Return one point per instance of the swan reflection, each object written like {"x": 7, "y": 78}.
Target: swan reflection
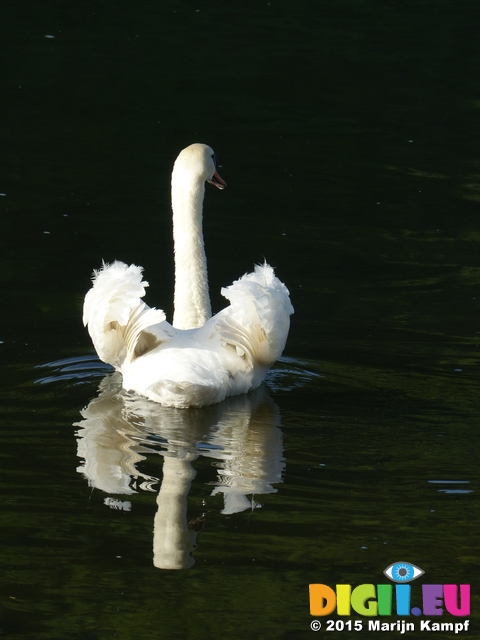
{"x": 241, "y": 435}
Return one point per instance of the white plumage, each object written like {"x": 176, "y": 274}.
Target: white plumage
{"x": 201, "y": 359}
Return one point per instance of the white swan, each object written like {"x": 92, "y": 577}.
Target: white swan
{"x": 201, "y": 359}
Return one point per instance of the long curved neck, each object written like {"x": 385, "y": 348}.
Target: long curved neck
{"x": 192, "y": 301}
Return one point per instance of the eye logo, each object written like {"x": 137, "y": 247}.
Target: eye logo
{"x": 377, "y": 600}
{"x": 403, "y": 572}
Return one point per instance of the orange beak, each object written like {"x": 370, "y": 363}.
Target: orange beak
{"x": 217, "y": 181}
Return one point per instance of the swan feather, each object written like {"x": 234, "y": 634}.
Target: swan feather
{"x": 120, "y": 324}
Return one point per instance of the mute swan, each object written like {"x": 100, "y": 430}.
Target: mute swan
{"x": 201, "y": 359}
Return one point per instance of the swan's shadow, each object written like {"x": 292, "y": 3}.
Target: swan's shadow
{"x": 241, "y": 434}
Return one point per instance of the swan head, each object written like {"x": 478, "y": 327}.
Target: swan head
{"x": 199, "y": 162}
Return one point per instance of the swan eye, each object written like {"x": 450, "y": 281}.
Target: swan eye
{"x": 403, "y": 572}
{"x": 214, "y": 158}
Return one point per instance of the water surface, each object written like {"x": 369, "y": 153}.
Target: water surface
{"x": 347, "y": 135}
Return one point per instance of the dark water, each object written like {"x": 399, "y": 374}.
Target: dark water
{"x": 348, "y": 134}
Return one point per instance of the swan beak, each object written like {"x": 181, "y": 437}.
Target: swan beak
{"x": 217, "y": 181}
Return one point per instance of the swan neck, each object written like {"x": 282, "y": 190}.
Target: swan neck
{"x": 192, "y": 300}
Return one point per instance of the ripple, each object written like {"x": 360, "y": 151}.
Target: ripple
{"x": 449, "y": 483}
{"x": 78, "y": 369}
{"x": 287, "y": 374}
{"x": 290, "y": 373}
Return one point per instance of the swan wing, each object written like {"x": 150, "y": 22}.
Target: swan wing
{"x": 257, "y": 321}
{"x": 121, "y": 325}
{"x": 230, "y": 354}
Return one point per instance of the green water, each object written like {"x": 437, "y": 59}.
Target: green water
{"x": 348, "y": 135}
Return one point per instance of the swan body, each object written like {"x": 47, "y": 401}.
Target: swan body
{"x": 199, "y": 359}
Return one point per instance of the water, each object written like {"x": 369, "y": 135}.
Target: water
{"x": 347, "y": 133}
